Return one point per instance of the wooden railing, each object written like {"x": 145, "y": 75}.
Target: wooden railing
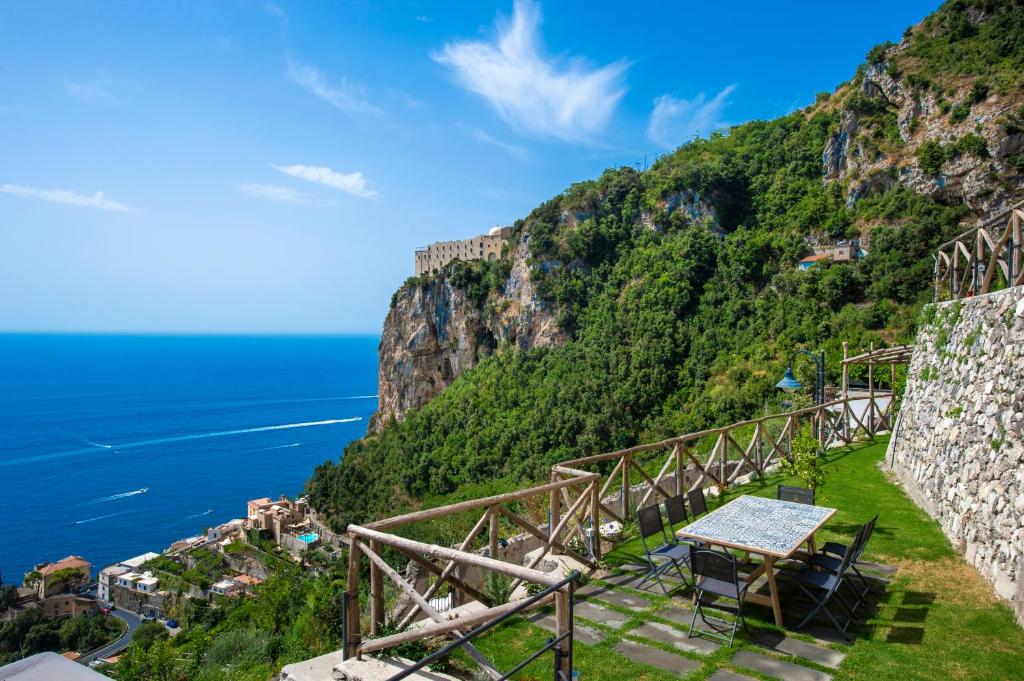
{"x": 982, "y": 259}
{"x": 576, "y": 501}
{"x": 567, "y": 517}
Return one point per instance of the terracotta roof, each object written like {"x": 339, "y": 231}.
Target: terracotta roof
{"x": 815, "y": 258}
{"x": 72, "y": 655}
{"x": 65, "y": 563}
{"x": 261, "y": 502}
{"x": 247, "y": 579}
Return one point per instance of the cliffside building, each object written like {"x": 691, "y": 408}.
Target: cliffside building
{"x": 432, "y": 259}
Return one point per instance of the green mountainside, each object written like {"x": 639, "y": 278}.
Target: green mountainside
{"x": 677, "y": 289}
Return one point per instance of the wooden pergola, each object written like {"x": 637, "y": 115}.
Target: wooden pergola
{"x": 892, "y": 357}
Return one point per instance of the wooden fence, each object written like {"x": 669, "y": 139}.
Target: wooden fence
{"x": 577, "y": 500}
{"x": 982, "y": 259}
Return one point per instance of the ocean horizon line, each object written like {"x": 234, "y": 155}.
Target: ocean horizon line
{"x": 192, "y": 334}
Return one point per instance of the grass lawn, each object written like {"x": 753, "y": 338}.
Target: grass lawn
{"x": 937, "y": 620}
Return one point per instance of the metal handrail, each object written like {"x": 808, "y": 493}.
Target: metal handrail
{"x": 552, "y": 644}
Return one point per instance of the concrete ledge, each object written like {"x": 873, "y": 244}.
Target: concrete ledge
{"x": 330, "y": 667}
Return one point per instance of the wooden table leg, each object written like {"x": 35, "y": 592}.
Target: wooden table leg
{"x": 769, "y": 569}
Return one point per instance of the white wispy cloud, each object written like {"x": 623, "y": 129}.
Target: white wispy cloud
{"x": 564, "y": 98}
{"x": 353, "y": 183}
{"x": 513, "y": 150}
{"x": 676, "y": 121}
{"x": 272, "y": 192}
{"x": 68, "y": 196}
{"x": 274, "y": 10}
{"x": 344, "y": 96}
{"x": 95, "y": 91}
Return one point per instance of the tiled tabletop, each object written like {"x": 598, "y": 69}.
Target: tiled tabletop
{"x": 760, "y": 525}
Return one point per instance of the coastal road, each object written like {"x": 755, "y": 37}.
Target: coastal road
{"x": 132, "y": 620}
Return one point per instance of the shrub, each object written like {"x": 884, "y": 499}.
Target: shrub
{"x": 803, "y": 464}
{"x": 930, "y": 156}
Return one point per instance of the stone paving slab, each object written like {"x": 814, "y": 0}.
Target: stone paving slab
{"x": 677, "y": 614}
{"x": 724, "y": 675}
{"x": 669, "y": 635}
{"x": 826, "y": 657}
{"x": 599, "y": 614}
{"x": 633, "y": 581}
{"x": 581, "y": 632}
{"x": 622, "y": 600}
{"x": 655, "y": 657}
{"x": 777, "y": 668}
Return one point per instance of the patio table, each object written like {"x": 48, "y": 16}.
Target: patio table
{"x": 766, "y": 527}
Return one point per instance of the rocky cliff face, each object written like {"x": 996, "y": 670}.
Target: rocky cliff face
{"x": 435, "y": 331}
{"x": 984, "y": 179}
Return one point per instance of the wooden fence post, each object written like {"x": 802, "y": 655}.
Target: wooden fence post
{"x": 376, "y": 594}
{"x": 354, "y": 636}
{"x": 626, "y": 470}
{"x": 677, "y": 451}
{"x": 595, "y": 520}
{"x": 492, "y": 532}
{"x": 554, "y": 512}
{"x": 563, "y": 625}
{"x": 871, "y": 394}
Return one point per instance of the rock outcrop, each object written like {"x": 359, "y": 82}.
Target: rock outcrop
{"x": 435, "y": 331}
{"x": 983, "y": 181}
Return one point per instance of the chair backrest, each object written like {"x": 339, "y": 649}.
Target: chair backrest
{"x": 675, "y": 510}
{"x": 798, "y": 495}
{"x": 869, "y": 528}
{"x": 649, "y": 519}
{"x": 698, "y": 503}
{"x": 714, "y": 564}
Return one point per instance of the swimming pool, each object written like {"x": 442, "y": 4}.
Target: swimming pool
{"x": 308, "y": 538}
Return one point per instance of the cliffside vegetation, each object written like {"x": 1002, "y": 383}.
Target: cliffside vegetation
{"x": 679, "y": 286}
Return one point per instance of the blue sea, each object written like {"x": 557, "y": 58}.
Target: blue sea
{"x": 111, "y": 446}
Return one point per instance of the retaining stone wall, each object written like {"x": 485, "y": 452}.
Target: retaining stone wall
{"x": 959, "y": 445}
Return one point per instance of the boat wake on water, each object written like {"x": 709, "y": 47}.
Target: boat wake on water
{"x": 122, "y": 495}
{"x": 99, "y": 517}
{"x": 179, "y": 438}
{"x": 294, "y": 444}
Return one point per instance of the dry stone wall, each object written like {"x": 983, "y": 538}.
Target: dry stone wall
{"x": 959, "y": 446}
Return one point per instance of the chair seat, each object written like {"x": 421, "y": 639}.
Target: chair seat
{"x": 822, "y": 580}
{"x": 835, "y": 548}
{"x": 830, "y": 563}
{"x": 673, "y": 551}
{"x": 720, "y": 587}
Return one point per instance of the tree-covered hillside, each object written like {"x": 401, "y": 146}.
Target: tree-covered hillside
{"x": 678, "y": 287}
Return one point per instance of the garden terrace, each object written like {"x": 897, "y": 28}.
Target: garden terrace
{"x": 576, "y": 503}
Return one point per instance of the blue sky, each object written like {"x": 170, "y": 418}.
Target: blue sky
{"x": 255, "y": 166}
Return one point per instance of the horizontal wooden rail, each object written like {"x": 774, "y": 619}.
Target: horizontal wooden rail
{"x": 463, "y": 557}
{"x": 473, "y": 504}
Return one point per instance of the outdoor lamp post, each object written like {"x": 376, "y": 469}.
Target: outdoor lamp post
{"x": 789, "y": 382}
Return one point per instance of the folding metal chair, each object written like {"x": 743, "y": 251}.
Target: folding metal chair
{"x": 716, "y": 573}
{"x": 798, "y": 495}
{"x": 675, "y": 513}
{"x": 822, "y": 588}
{"x": 698, "y": 502}
{"x": 666, "y": 555}
{"x": 833, "y": 552}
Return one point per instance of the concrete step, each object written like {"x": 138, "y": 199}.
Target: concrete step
{"x": 599, "y": 614}
{"x": 581, "y": 632}
{"x": 776, "y": 668}
{"x": 669, "y": 635}
{"x": 619, "y": 598}
{"x": 826, "y": 657}
{"x": 655, "y": 657}
{"x": 723, "y": 675}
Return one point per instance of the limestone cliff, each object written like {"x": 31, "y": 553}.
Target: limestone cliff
{"x": 888, "y": 113}
{"x": 955, "y": 135}
{"x": 435, "y": 330}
